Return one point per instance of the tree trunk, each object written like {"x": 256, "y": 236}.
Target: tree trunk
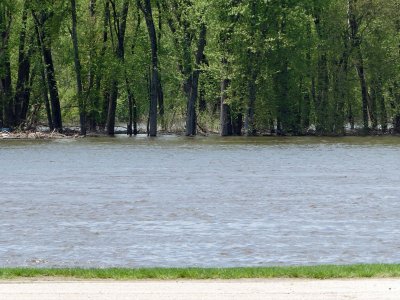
{"x": 161, "y": 107}
{"x": 395, "y": 103}
{"x": 148, "y": 14}
{"x": 341, "y": 90}
{"x": 191, "y": 120}
{"x": 379, "y": 98}
{"x": 45, "y": 95}
{"x": 5, "y": 69}
{"x": 131, "y": 105}
{"x": 22, "y": 92}
{"x": 103, "y": 106}
{"x": 78, "y": 72}
{"x": 120, "y": 25}
{"x": 50, "y": 73}
{"x": 226, "y": 122}
{"x": 43, "y": 83}
{"x": 250, "y": 128}
{"x": 93, "y": 94}
{"x": 364, "y": 89}
{"x": 359, "y": 61}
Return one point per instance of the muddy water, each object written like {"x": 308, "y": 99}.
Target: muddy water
{"x": 174, "y": 201}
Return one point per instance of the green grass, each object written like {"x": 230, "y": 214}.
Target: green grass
{"x": 312, "y": 272}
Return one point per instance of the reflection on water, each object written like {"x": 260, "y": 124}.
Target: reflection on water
{"x": 176, "y": 201}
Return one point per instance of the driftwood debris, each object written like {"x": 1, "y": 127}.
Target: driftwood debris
{"x": 35, "y": 135}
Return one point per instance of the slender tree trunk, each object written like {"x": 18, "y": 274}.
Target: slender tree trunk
{"x": 341, "y": 90}
{"x": 191, "y": 118}
{"x": 364, "y": 89}
{"x": 359, "y": 60}
{"x": 250, "y": 128}
{"x": 131, "y": 104}
{"x": 78, "y": 72}
{"x": 323, "y": 124}
{"x": 379, "y": 98}
{"x": 22, "y": 92}
{"x": 148, "y": 14}
{"x": 53, "y": 89}
{"x": 120, "y": 25}
{"x": 161, "y": 107}
{"x": 45, "y": 42}
{"x": 45, "y": 95}
{"x": 395, "y": 103}
{"x": 92, "y": 96}
{"x": 5, "y": 68}
{"x": 308, "y": 96}
{"x": 43, "y": 83}
{"x": 225, "y": 119}
{"x": 132, "y": 125}
{"x": 103, "y": 106}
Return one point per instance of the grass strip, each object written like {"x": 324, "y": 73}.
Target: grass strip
{"x": 307, "y": 272}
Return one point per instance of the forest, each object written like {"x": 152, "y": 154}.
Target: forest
{"x": 236, "y": 67}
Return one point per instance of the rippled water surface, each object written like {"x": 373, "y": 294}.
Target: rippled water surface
{"x": 174, "y": 201}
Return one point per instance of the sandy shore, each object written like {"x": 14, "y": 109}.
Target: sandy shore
{"x": 204, "y": 290}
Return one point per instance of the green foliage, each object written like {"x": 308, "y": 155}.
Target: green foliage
{"x": 296, "y": 53}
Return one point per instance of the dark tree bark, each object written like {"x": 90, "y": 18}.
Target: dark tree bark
{"x": 250, "y": 129}
{"x": 323, "y": 124}
{"x": 226, "y": 122}
{"x": 305, "y": 109}
{"x": 225, "y": 117}
{"x": 78, "y": 70}
{"x": 43, "y": 83}
{"x": 394, "y": 91}
{"x": 45, "y": 95}
{"x": 45, "y": 42}
{"x": 146, "y": 8}
{"x": 341, "y": 90}
{"x": 7, "y": 116}
{"x": 22, "y": 92}
{"x": 161, "y": 107}
{"x": 359, "y": 61}
{"x": 379, "y": 98}
{"x": 191, "y": 118}
{"x": 103, "y": 106}
{"x": 93, "y": 93}
{"x": 120, "y": 29}
{"x": 132, "y": 107}
{"x": 252, "y": 57}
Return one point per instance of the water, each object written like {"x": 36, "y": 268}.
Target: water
{"x": 209, "y": 202}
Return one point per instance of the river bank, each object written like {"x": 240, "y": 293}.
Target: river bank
{"x": 74, "y": 133}
{"x": 37, "y": 135}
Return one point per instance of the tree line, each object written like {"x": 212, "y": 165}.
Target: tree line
{"x": 236, "y": 66}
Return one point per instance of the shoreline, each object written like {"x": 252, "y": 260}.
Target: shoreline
{"x": 322, "y": 272}
{"x": 70, "y": 134}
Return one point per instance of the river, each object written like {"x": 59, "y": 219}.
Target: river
{"x": 206, "y": 202}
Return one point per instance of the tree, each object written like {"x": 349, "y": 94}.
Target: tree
{"x": 78, "y": 71}
{"x": 5, "y": 65}
{"x": 42, "y": 17}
